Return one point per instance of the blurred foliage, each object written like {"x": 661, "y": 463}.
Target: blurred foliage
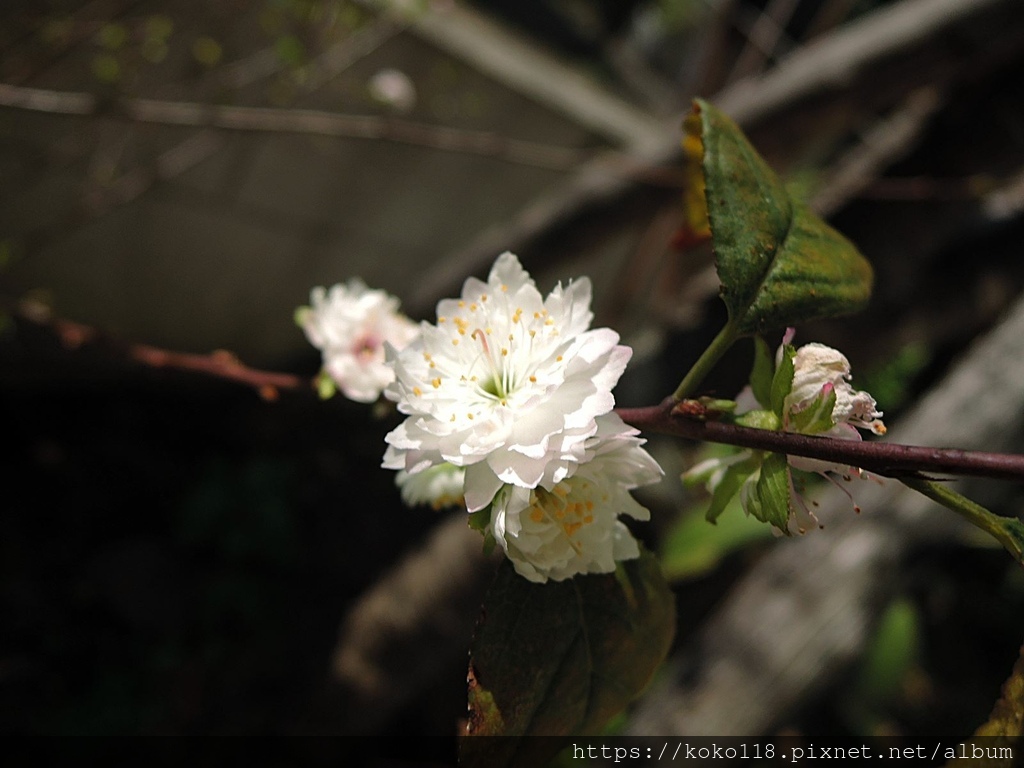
{"x": 692, "y": 548}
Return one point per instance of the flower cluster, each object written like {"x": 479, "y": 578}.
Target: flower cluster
{"x": 515, "y": 389}
{"x": 350, "y": 324}
{"x": 811, "y": 394}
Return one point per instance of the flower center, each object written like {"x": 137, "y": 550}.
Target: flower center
{"x": 499, "y": 383}
{"x": 366, "y": 346}
{"x": 565, "y": 509}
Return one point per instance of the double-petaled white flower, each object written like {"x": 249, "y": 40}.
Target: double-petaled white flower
{"x": 507, "y": 384}
{"x": 516, "y": 388}
{"x": 349, "y": 324}
{"x": 574, "y": 527}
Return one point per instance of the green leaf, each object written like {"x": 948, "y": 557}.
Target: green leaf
{"x": 782, "y": 382}
{"x": 733, "y": 479}
{"x": 778, "y": 262}
{"x": 762, "y": 373}
{"x": 692, "y": 548}
{"x": 770, "y": 500}
{"x": 561, "y": 658}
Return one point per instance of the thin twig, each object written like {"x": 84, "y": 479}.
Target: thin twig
{"x": 888, "y": 459}
{"x": 220, "y": 364}
{"x": 302, "y": 121}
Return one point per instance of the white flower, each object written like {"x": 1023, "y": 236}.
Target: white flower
{"x": 819, "y": 373}
{"x": 438, "y": 487}
{"x": 349, "y": 324}
{"x": 815, "y": 369}
{"x": 573, "y": 527}
{"x": 508, "y": 384}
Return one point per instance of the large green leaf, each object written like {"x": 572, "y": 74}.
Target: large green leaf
{"x": 778, "y": 262}
{"x": 559, "y": 659}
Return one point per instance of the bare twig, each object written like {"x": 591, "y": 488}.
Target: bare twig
{"x": 220, "y": 364}
{"x": 764, "y": 37}
{"x": 492, "y": 50}
{"x": 882, "y": 458}
{"x": 886, "y": 141}
{"x": 307, "y": 121}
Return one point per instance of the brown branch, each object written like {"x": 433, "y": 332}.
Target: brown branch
{"x": 888, "y": 459}
{"x": 220, "y": 363}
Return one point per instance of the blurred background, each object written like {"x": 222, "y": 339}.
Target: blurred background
{"x": 184, "y": 557}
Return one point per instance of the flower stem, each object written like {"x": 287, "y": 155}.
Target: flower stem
{"x": 1007, "y": 531}
{"x": 718, "y": 347}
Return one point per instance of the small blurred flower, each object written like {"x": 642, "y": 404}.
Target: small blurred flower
{"x": 350, "y": 324}
{"x": 394, "y": 89}
{"x": 438, "y": 487}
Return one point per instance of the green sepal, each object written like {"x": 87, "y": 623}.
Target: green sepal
{"x": 782, "y": 382}
{"x": 770, "y": 501}
{"x": 763, "y": 371}
{"x": 730, "y": 484}
{"x": 816, "y": 417}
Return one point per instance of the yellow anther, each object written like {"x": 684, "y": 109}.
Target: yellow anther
{"x": 442, "y": 319}
{"x": 504, "y": 352}
{"x": 417, "y": 391}
{"x": 462, "y": 304}
{"x": 533, "y": 379}
{"x": 558, "y": 359}
{"x": 436, "y": 382}
{"x": 504, "y": 288}
{"x": 462, "y": 330}
{"x": 470, "y": 415}
{"x": 537, "y": 515}
{"x": 455, "y": 342}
